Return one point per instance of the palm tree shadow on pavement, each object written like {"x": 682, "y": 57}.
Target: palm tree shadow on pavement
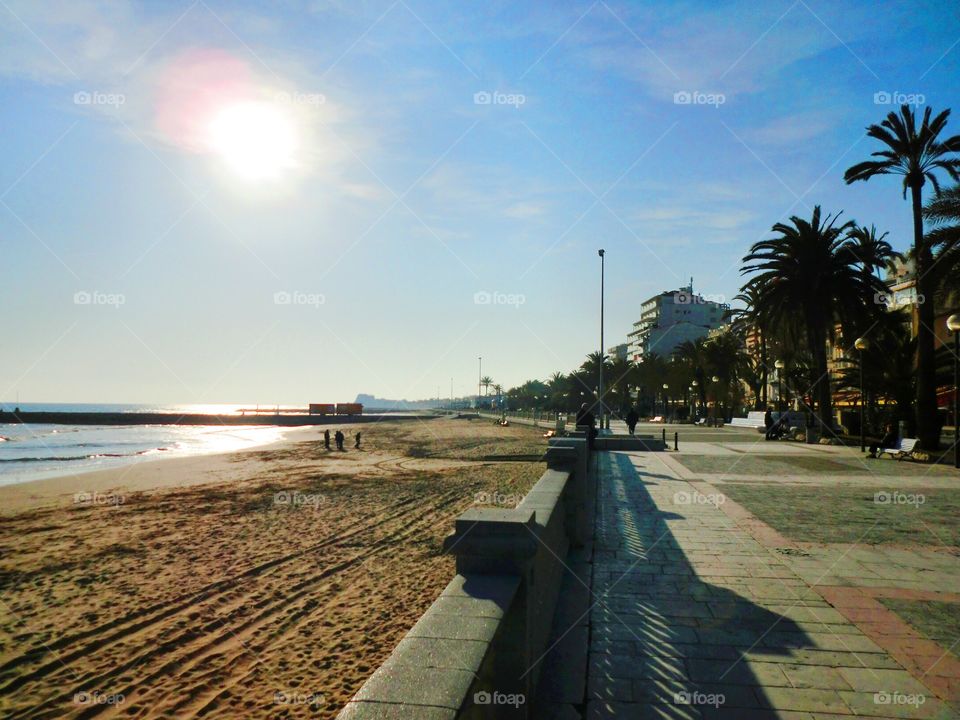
{"x": 662, "y": 636}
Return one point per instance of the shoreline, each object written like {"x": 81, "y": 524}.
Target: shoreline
{"x": 167, "y": 418}
{"x": 141, "y": 474}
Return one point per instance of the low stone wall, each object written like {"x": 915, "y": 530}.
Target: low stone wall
{"x": 474, "y": 653}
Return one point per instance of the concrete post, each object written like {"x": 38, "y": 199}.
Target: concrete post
{"x": 579, "y": 464}
{"x": 492, "y": 541}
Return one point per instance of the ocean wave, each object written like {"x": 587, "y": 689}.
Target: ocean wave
{"x": 51, "y": 458}
{"x": 74, "y": 458}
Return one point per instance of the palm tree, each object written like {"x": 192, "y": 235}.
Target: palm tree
{"x": 591, "y": 369}
{"x": 689, "y": 356}
{"x": 916, "y": 153}
{"x": 558, "y": 387}
{"x": 809, "y": 280}
{"x": 943, "y": 212}
{"x": 753, "y": 318}
{"x": 617, "y": 385}
{"x": 486, "y": 381}
{"x": 723, "y": 359}
{"x": 889, "y": 373}
{"x": 873, "y": 251}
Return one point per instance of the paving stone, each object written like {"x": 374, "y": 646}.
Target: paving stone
{"x": 879, "y": 705}
{"x": 815, "y": 676}
{"x": 383, "y": 711}
{"x": 877, "y": 680}
{"x": 453, "y": 627}
{"x": 606, "y": 710}
{"x": 802, "y": 699}
{"x": 417, "y": 686}
{"x": 439, "y": 653}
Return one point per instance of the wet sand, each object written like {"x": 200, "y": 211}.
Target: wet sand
{"x": 264, "y": 583}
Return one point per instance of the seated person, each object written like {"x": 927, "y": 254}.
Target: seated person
{"x": 889, "y": 440}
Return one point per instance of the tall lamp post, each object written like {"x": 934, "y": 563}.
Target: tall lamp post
{"x": 479, "y": 379}
{"x": 953, "y": 325}
{"x": 779, "y": 365}
{"x": 665, "y": 411}
{"x": 693, "y": 387}
{"x": 600, "y": 395}
{"x": 861, "y": 344}
{"x": 714, "y": 380}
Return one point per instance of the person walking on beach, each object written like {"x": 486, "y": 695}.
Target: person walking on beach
{"x": 632, "y": 418}
{"x": 326, "y": 439}
{"x": 339, "y": 438}
{"x": 357, "y": 438}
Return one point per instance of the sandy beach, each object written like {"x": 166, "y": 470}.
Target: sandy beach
{"x": 263, "y": 583}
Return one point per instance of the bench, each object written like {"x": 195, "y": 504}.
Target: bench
{"x": 754, "y": 420}
{"x": 903, "y": 449}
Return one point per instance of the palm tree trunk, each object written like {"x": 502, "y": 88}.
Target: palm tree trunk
{"x": 820, "y": 387}
{"x": 763, "y": 368}
{"x": 928, "y": 426}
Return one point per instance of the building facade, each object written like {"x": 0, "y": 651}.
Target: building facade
{"x": 619, "y": 352}
{"x": 671, "y": 318}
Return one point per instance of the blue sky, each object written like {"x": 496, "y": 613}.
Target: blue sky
{"x": 140, "y": 266}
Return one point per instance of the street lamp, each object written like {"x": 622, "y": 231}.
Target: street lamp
{"x": 479, "y": 379}
{"x": 953, "y": 325}
{"x": 779, "y": 365}
{"x": 861, "y": 344}
{"x": 600, "y": 394}
{"x": 665, "y": 411}
{"x": 714, "y": 380}
{"x": 694, "y": 385}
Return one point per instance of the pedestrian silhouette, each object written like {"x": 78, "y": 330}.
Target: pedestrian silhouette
{"x": 326, "y": 439}
{"x": 587, "y": 422}
{"x": 632, "y": 418}
{"x": 339, "y": 438}
{"x": 357, "y": 438}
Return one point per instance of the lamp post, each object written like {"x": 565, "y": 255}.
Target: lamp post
{"x": 779, "y": 365}
{"x": 665, "y": 411}
{"x": 693, "y": 387}
{"x": 479, "y": 379}
{"x": 714, "y": 380}
{"x": 861, "y": 344}
{"x": 953, "y": 325}
{"x": 600, "y": 394}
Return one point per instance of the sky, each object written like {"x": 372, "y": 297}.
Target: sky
{"x": 296, "y": 202}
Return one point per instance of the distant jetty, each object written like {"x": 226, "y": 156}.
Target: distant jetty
{"x": 252, "y": 418}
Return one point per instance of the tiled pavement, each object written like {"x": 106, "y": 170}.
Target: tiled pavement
{"x": 693, "y": 618}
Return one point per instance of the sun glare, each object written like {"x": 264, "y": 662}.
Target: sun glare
{"x": 257, "y": 141}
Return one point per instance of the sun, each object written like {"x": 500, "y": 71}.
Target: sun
{"x": 257, "y": 141}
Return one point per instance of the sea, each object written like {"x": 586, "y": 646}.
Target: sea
{"x": 34, "y": 451}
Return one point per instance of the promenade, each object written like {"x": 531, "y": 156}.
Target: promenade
{"x": 744, "y": 579}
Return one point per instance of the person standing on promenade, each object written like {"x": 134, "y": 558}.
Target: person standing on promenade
{"x": 585, "y": 419}
{"x": 357, "y": 438}
{"x": 326, "y": 438}
{"x": 768, "y": 422}
{"x": 632, "y": 418}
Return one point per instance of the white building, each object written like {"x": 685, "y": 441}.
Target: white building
{"x": 619, "y": 352}
{"x": 671, "y": 318}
